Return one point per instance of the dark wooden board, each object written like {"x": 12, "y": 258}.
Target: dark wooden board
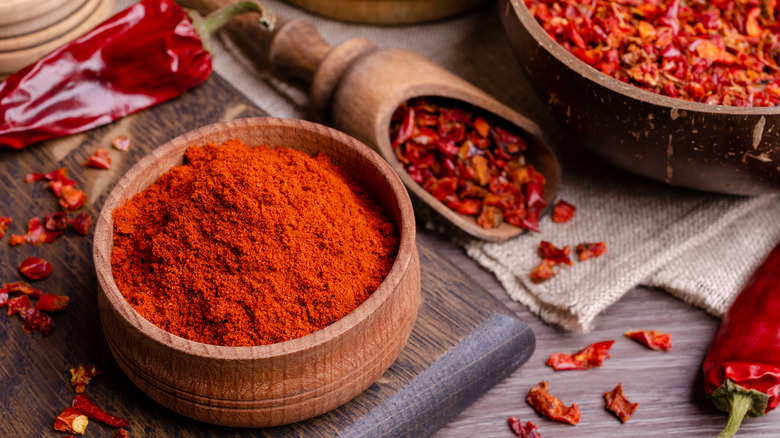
{"x": 464, "y": 340}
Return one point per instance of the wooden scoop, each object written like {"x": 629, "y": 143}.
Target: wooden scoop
{"x": 360, "y": 86}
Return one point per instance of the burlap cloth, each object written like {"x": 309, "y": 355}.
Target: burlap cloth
{"x": 700, "y": 247}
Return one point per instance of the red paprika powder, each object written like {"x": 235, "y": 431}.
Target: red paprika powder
{"x": 250, "y": 245}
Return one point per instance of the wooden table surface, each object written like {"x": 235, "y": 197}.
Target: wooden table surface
{"x": 667, "y": 385}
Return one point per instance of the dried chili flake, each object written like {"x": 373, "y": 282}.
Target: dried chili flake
{"x": 527, "y": 430}
{"x": 60, "y": 175}
{"x": 3, "y": 298}
{"x": 617, "y": 403}
{"x": 85, "y": 405}
{"x": 38, "y": 234}
{"x": 548, "y": 405}
{"x": 591, "y": 250}
{"x": 4, "y": 223}
{"x": 652, "y": 339}
{"x": 34, "y": 319}
{"x": 17, "y": 239}
{"x": 468, "y": 161}
{"x": 71, "y": 420}
{"x": 52, "y": 303}
{"x": 72, "y": 198}
{"x": 122, "y": 433}
{"x": 563, "y": 212}
{"x": 18, "y": 305}
{"x": 57, "y": 221}
{"x": 591, "y": 356}
{"x": 35, "y": 268}
{"x": 121, "y": 143}
{"x": 81, "y": 375}
{"x": 99, "y": 160}
{"x": 21, "y": 287}
{"x": 543, "y": 272}
{"x": 81, "y": 223}
{"x": 722, "y": 53}
{"x": 548, "y": 251}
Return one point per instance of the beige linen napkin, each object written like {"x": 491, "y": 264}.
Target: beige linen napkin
{"x": 698, "y": 246}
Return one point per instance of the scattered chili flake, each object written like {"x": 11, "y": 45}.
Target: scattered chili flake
{"x": 55, "y": 221}
{"x": 21, "y": 287}
{"x": 38, "y": 234}
{"x": 722, "y": 53}
{"x": 546, "y": 404}
{"x": 527, "y": 430}
{"x": 563, "y": 212}
{"x": 616, "y": 403}
{"x": 72, "y": 198}
{"x": 468, "y": 161}
{"x": 591, "y": 356}
{"x": 122, "y": 433}
{"x": 60, "y": 175}
{"x": 3, "y": 297}
{"x": 121, "y": 143}
{"x": 548, "y": 251}
{"x": 81, "y": 223}
{"x": 34, "y": 319}
{"x": 17, "y": 239}
{"x": 4, "y": 223}
{"x": 591, "y": 250}
{"x": 52, "y": 303}
{"x": 85, "y": 405}
{"x": 35, "y": 268}
{"x": 71, "y": 420}
{"x": 543, "y": 272}
{"x": 18, "y": 305}
{"x": 652, "y": 339}
{"x": 100, "y": 159}
{"x": 81, "y": 375}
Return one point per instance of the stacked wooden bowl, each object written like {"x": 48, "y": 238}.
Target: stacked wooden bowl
{"x": 30, "y": 29}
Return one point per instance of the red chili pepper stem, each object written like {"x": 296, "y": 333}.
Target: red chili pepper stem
{"x": 739, "y": 402}
{"x": 207, "y": 26}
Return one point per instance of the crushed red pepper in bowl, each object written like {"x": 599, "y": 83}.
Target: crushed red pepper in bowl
{"x": 255, "y": 245}
{"x": 469, "y": 160}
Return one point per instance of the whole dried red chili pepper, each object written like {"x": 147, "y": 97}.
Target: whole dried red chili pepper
{"x": 617, "y": 403}
{"x": 591, "y": 356}
{"x": 71, "y": 420}
{"x": 742, "y": 367}
{"x": 147, "y": 54}
{"x": 85, "y": 405}
{"x": 35, "y": 268}
{"x": 548, "y": 405}
{"x": 652, "y": 339}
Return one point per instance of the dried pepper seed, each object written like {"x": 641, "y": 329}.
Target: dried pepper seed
{"x": 617, "y": 403}
{"x": 18, "y": 305}
{"x": 34, "y": 319}
{"x": 721, "y": 52}
{"x": 52, "y": 303}
{"x": 527, "y": 430}
{"x": 81, "y": 375}
{"x": 81, "y": 223}
{"x": 35, "y": 268}
{"x": 21, "y": 287}
{"x": 467, "y": 161}
{"x": 548, "y": 251}
{"x": 563, "y": 212}
{"x": 99, "y": 160}
{"x": 121, "y": 143}
{"x": 548, "y": 405}
{"x": 55, "y": 221}
{"x": 591, "y": 356}
{"x": 85, "y": 405}
{"x": 591, "y": 250}
{"x": 652, "y": 339}
{"x": 4, "y": 223}
{"x": 71, "y": 420}
{"x": 72, "y": 198}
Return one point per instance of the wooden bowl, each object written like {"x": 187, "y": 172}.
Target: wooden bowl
{"x": 388, "y": 11}
{"x": 281, "y": 383}
{"x": 21, "y": 17}
{"x": 707, "y": 147}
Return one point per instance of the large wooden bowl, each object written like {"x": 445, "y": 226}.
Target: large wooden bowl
{"x": 708, "y": 147}
{"x": 388, "y": 11}
{"x": 280, "y": 383}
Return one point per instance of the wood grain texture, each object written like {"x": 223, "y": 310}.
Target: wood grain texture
{"x": 52, "y": 31}
{"x": 388, "y": 11}
{"x": 46, "y": 17}
{"x": 464, "y": 340}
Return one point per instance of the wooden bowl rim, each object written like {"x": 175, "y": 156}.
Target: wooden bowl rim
{"x": 630, "y": 91}
{"x": 80, "y": 20}
{"x": 42, "y": 7}
{"x": 388, "y": 286}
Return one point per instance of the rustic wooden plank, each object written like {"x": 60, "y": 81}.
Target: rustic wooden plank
{"x": 464, "y": 339}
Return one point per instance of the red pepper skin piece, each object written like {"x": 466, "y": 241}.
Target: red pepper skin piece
{"x": 563, "y": 212}
{"x": 3, "y": 298}
{"x": 546, "y": 404}
{"x": 591, "y": 356}
{"x": 742, "y": 366}
{"x": 548, "y": 251}
{"x": 35, "y": 268}
{"x": 85, "y": 405}
{"x": 527, "y": 430}
{"x": 4, "y": 223}
{"x": 55, "y": 221}
{"x": 52, "y": 303}
{"x": 72, "y": 198}
{"x": 99, "y": 160}
{"x": 652, "y": 339}
{"x": 71, "y": 420}
{"x": 144, "y": 55}
{"x": 591, "y": 250}
{"x": 122, "y": 433}
{"x": 17, "y": 239}
{"x": 21, "y": 287}
{"x": 81, "y": 375}
{"x": 81, "y": 223}
{"x": 617, "y": 403}
{"x": 18, "y": 305}
{"x": 34, "y": 319}
{"x": 121, "y": 143}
